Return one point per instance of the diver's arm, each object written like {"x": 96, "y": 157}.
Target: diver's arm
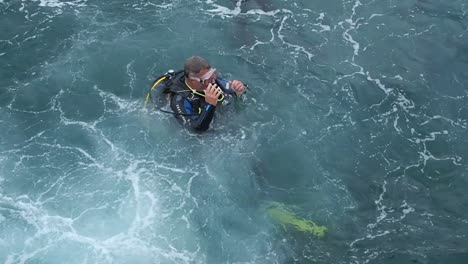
{"x": 186, "y": 114}
{"x": 238, "y": 87}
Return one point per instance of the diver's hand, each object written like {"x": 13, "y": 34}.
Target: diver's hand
{"x": 237, "y": 86}
{"x": 212, "y": 93}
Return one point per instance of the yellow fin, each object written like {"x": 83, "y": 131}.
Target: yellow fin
{"x": 281, "y": 213}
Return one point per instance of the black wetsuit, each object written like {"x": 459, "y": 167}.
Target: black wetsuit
{"x": 191, "y": 109}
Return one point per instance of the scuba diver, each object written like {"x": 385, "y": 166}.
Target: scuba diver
{"x": 194, "y": 93}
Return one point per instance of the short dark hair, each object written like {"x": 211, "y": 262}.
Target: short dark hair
{"x": 194, "y": 65}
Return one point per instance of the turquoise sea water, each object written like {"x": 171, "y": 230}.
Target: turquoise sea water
{"x": 356, "y": 118}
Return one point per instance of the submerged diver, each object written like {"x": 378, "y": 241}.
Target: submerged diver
{"x": 195, "y": 93}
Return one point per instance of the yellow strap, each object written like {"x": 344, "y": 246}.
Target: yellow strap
{"x": 154, "y": 86}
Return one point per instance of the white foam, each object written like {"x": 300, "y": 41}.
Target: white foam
{"x": 324, "y": 27}
{"x": 406, "y": 209}
{"x": 453, "y": 123}
{"x": 59, "y": 4}
{"x": 379, "y": 84}
{"x": 226, "y": 12}
{"x": 356, "y": 5}
{"x": 320, "y": 19}
{"x": 404, "y": 102}
{"x": 395, "y": 124}
{"x": 350, "y": 39}
{"x": 380, "y": 207}
{"x": 51, "y": 3}
{"x": 132, "y": 74}
{"x": 122, "y": 104}
{"x": 426, "y": 155}
{"x": 370, "y": 237}
{"x": 296, "y": 47}
{"x": 386, "y": 232}
{"x": 375, "y": 15}
{"x": 261, "y": 12}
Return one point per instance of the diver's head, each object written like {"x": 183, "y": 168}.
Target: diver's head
{"x": 198, "y": 72}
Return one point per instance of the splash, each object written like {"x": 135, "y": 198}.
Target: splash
{"x": 281, "y": 213}
{"x": 59, "y": 4}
